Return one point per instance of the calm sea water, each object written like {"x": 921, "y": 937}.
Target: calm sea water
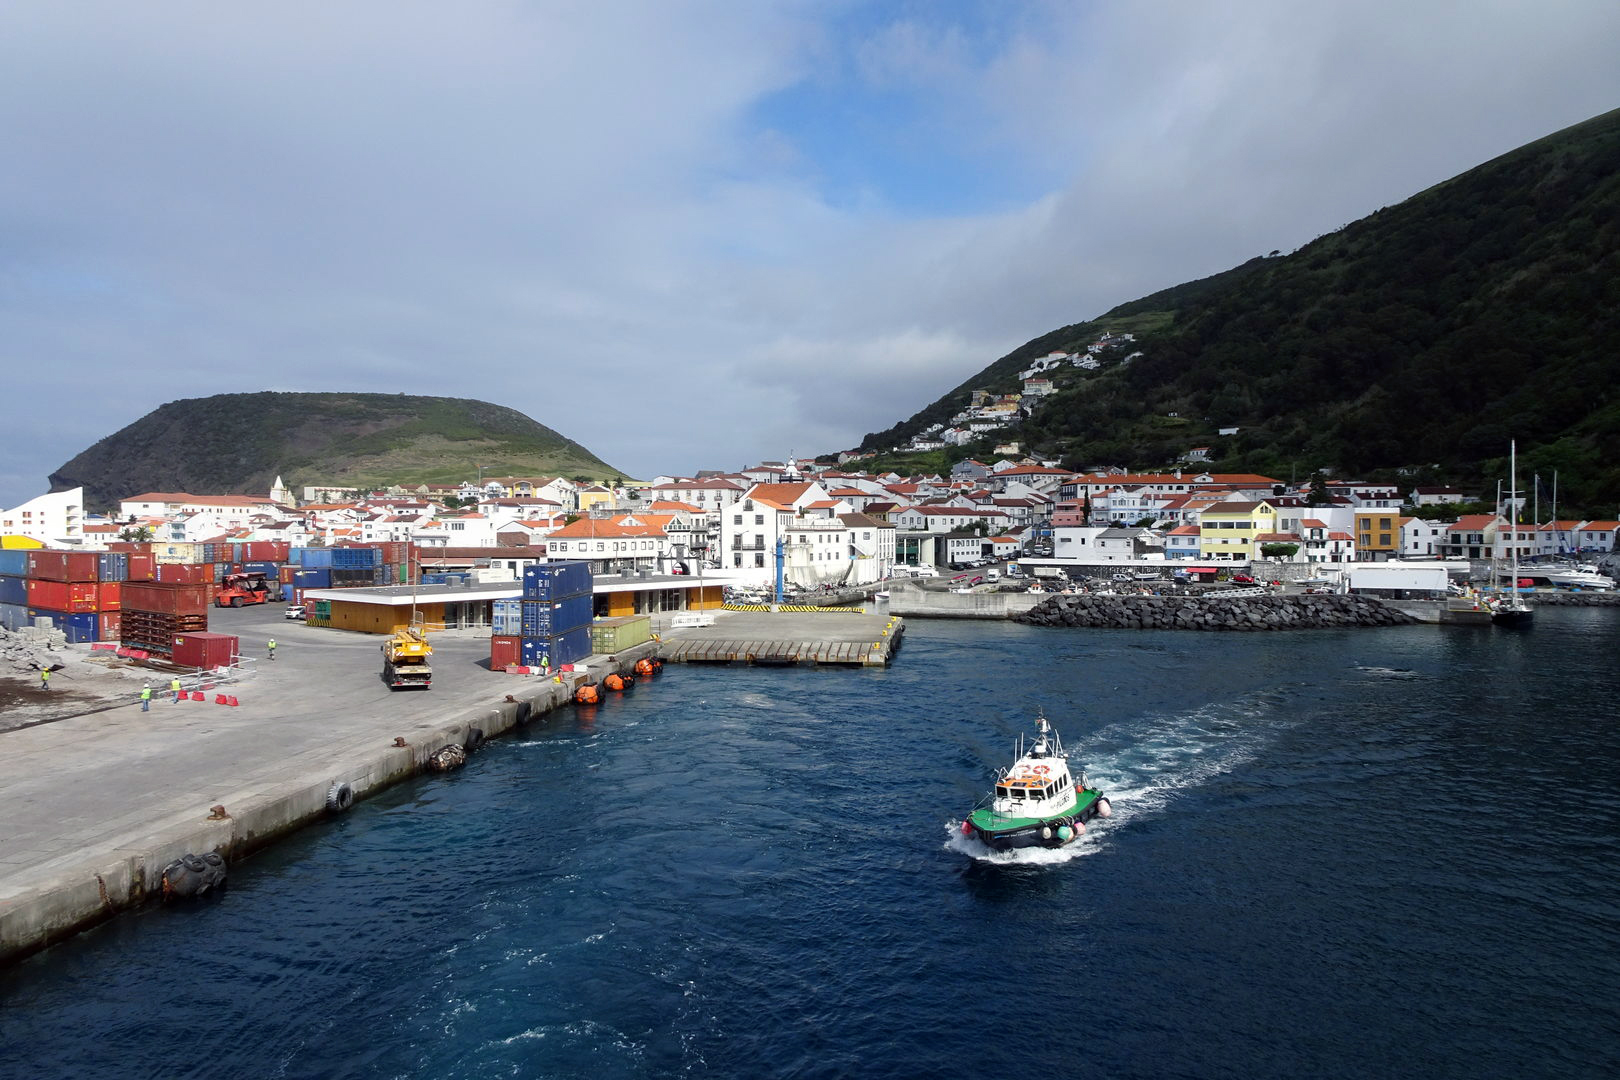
{"x": 1356, "y": 854}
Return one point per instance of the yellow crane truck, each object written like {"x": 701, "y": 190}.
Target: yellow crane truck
{"x": 405, "y": 659}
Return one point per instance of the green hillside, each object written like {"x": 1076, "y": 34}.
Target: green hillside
{"x": 1415, "y": 342}
{"x": 239, "y": 444}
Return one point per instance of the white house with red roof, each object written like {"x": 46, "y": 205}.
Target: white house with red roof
{"x": 1596, "y": 535}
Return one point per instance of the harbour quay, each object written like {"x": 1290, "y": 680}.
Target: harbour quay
{"x": 865, "y": 637}
{"x": 97, "y": 803}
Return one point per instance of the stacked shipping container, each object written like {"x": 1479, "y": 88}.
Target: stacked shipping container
{"x": 551, "y": 625}
{"x": 80, "y": 592}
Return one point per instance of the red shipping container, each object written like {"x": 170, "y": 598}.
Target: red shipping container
{"x": 288, "y": 574}
{"x": 186, "y": 573}
{"x": 109, "y": 596}
{"x": 47, "y": 565}
{"x": 65, "y": 596}
{"x": 204, "y": 649}
{"x": 167, "y": 599}
{"x": 142, "y": 567}
{"x": 504, "y": 649}
{"x": 112, "y": 624}
{"x": 266, "y": 551}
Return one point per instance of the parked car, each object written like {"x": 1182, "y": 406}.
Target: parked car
{"x": 296, "y": 611}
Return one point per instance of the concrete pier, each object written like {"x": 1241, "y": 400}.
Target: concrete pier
{"x": 788, "y": 637}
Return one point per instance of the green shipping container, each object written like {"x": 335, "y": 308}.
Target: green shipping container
{"x": 616, "y": 634}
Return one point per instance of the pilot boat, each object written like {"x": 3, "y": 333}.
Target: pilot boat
{"x": 1038, "y": 801}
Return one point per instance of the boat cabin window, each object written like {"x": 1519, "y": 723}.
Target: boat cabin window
{"x": 1018, "y": 793}
{"x": 1001, "y": 792}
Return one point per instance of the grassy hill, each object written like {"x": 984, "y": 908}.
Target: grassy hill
{"x": 1415, "y": 342}
{"x": 239, "y": 444}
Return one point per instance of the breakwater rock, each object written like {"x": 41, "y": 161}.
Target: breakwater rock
{"x": 1576, "y": 599}
{"x": 1220, "y": 613}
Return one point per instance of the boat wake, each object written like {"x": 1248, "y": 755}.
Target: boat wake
{"x": 974, "y": 848}
{"x": 1389, "y": 673}
{"x": 1143, "y": 765}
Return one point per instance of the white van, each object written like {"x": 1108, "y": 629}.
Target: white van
{"x": 992, "y": 575}
{"x": 923, "y": 571}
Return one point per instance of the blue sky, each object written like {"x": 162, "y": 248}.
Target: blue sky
{"x": 754, "y": 228}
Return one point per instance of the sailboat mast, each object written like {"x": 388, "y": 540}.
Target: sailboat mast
{"x": 1513, "y": 497}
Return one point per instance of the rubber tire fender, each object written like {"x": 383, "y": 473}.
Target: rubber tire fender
{"x": 475, "y": 739}
{"x": 339, "y": 797}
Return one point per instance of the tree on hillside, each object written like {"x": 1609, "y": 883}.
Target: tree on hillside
{"x": 1319, "y": 493}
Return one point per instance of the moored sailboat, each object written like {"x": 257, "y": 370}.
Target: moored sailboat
{"x": 1511, "y": 609}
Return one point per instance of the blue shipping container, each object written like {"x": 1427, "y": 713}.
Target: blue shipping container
{"x": 317, "y": 578}
{"x": 268, "y": 569}
{"x": 14, "y": 562}
{"x": 548, "y": 618}
{"x": 13, "y": 590}
{"x": 14, "y": 616}
{"x": 79, "y": 626}
{"x": 556, "y": 581}
{"x": 434, "y": 579}
{"x": 114, "y": 566}
{"x": 362, "y": 558}
{"x": 572, "y": 647}
{"x": 554, "y": 651}
{"x": 316, "y": 558}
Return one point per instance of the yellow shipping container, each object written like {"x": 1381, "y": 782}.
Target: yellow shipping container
{"x": 380, "y": 618}
{"x": 177, "y": 553}
{"x": 15, "y": 541}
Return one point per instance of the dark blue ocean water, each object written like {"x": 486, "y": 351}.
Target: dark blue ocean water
{"x": 1349, "y": 854}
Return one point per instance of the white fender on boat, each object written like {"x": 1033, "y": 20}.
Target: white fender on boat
{"x": 1104, "y": 808}
{"x": 1046, "y": 832}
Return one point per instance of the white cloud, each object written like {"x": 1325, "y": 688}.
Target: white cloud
{"x": 578, "y": 211}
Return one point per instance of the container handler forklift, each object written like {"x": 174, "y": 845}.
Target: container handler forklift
{"x": 238, "y": 589}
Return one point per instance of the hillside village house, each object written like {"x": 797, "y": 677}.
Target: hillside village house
{"x": 1230, "y": 530}
{"x": 1597, "y": 535}
{"x": 619, "y": 542}
{"x": 1378, "y": 535}
{"x": 751, "y": 526}
{"x": 209, "y": 515}
{"x": 1421, "y": 539}
{"x": 559, "y": 491}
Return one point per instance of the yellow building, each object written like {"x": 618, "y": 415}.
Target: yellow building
{"x": 595, "y": 496}
{"x": 1378, "y": 535}
{"x": 1228, "y": 530}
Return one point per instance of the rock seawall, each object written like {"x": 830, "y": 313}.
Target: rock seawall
{"x": 1576, "y": 599}
{"x": 1223, "y": 613}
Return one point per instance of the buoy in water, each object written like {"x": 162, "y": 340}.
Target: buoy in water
{"x": 586, "y": 695}
{"x": 645, "y": 666}
{"x": 615, "y": 681}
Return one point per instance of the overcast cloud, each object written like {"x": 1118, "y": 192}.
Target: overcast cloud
{"x": 694, "y": 234}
